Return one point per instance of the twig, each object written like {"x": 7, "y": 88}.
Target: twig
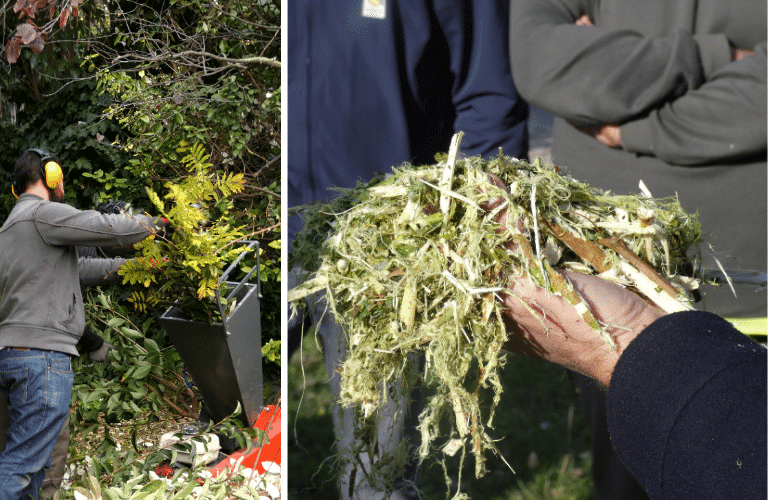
{"x": 190, "y": 393}
{"x": 242, "y": 61}
{"x": 585, "y": 249}
{"x": 252, "y": 187}
{"x": 255, "y": 233}
{"x": 447, "y": 176}
{"x": 185, "y": 413}
{"x": 622, "y": 249}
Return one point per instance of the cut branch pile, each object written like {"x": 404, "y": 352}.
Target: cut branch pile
{"x": 415, "y": 261}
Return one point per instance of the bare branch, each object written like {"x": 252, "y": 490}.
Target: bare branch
{"x": 244, "y": 61}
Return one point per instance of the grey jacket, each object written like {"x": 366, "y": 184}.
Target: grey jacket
{"x": 41, "y": 306}
{"x": 693, "y": 123}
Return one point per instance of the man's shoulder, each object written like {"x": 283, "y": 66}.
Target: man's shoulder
{"x": 52, "y": 213}
{"x": 47, "y": 208}
{"x": 24, "y": 209}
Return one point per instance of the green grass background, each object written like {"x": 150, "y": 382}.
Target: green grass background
{"x": 539, "y": 420}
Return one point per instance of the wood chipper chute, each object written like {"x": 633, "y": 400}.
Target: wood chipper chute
{"x": 224, "y": 359}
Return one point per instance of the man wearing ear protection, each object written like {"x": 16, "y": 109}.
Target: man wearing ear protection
{"x": 41, "y": 310}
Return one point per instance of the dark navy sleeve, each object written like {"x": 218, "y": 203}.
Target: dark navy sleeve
{"x": 488, "y": 108}
{"x": 687, "y": 409}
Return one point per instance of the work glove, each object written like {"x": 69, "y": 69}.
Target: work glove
{"x": 115, "y": 207}
{"x": 101, "y": 355}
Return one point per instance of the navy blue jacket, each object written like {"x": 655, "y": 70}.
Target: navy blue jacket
{"x": 366, "y": 94}
{"x": 687, "y": 409}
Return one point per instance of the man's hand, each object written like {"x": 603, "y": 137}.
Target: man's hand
{"x": 101, "y": 355}
{"x": 547, "y": 326}
{"x": 607, "y": 135}
{"x": 739, "y": 54}
{"x": 584, "y": 20}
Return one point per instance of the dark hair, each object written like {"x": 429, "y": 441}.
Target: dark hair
{"x": 28, "y": 170}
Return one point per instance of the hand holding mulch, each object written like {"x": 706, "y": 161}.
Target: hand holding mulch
{"x": 428, "y": 260}
{"x": 546, "y": 326}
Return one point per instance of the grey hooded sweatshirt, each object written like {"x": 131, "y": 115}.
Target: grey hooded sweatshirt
{"x": 41, "y": 306}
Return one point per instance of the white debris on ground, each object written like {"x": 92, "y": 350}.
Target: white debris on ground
{"x": 235, "y": 482}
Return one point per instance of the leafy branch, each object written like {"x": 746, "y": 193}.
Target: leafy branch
{"x": 187, "y": 263}
{"x": 28, "y": 33}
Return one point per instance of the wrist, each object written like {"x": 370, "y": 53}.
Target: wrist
{"x": 602, "y": 369}
{"x": 604, "y": 366}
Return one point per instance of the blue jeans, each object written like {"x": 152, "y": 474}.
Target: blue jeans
{"x": 38, "y": 388}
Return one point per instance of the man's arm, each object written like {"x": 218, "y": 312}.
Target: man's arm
{"x": 686, "y": 391}
{"x": 488, "y": 108}
{"x": 591, "y": 76}
{"x": 61, "y": 224}
{"x": 724, "y": 119}
{"x": 96, "y": 271}
{"x": 686, "y": 409}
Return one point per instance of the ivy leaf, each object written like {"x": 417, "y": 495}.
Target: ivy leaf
{"x": 151, "y": 345}
{"x": 20, "y": 5}
{"x": 111, "y": 494}
{"x": 115, "y": 322}
{"x": 131, "y": 333}
{"x": 81, "y": 493}
{"x": 185, "y": 491}
{"x": 37, "y": 45}
{"x": 152, "y": 491}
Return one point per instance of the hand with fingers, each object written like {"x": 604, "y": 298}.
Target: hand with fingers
{"x": 547, "y": 326}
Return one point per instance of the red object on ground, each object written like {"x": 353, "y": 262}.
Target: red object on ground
{"x": 164, "y": 470}
{"x": 269, "y": 422}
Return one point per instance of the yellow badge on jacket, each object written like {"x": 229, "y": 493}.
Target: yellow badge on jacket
{"x": 375, "y": 9}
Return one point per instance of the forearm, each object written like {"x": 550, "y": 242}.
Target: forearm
{"x": 724, "y": 119}
{"x": 96, "y": 271}
{"x": 62, "y": 225}
{"x": 590, "y": 75}
{"x": 686, "y": 409}
{"x": 488, "y": 108}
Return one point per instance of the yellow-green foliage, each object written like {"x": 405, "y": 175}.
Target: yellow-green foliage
{"x": 186, "y": 263}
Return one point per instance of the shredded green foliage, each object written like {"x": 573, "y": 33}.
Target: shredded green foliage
{"x": 403, "y": 276}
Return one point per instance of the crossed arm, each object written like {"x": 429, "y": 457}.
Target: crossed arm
{"x": 686, "y": 99}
